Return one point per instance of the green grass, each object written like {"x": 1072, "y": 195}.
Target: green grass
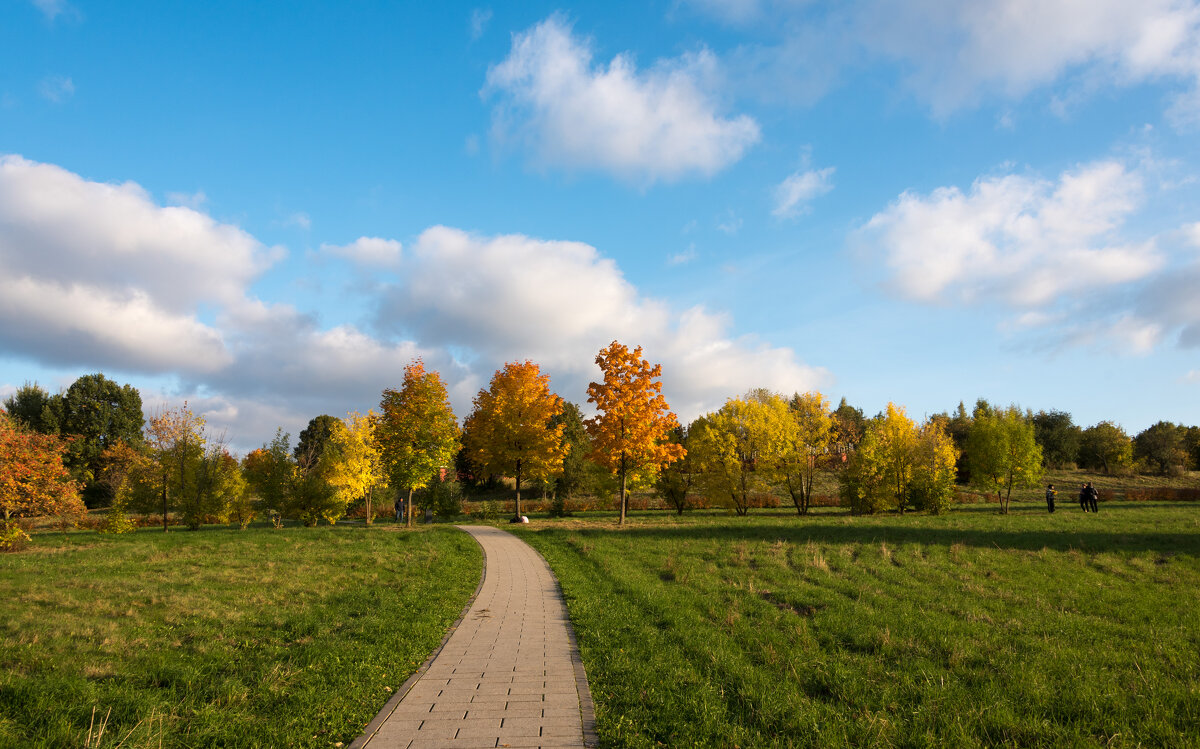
{"x": 969, "y": 629}
{"x": 256, "y": 638}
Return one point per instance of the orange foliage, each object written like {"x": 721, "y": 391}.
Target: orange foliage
{"x": 630, "y": 432}
{"x": 33, "y": 480}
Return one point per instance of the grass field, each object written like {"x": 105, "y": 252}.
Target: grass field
{"x": 969, "y": 629}
{"x": 256, "y": 638}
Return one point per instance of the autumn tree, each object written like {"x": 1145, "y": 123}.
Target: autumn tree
{"x": 1106, "y": 447}
{"x": 629, "y": 434}
{"x": 1003, "y": 452}
{"x": 511, "y": 431}
{"x": 737, "y": 447}
{"x": 356, "y": 469}
{"x": 33, "y": 479}
{"x": 176, "y": 442}
{"x": 270, "y": 474}
{"x": 898, "y": 464}
{"x": 806, "y": 445}
{"x": 416, "y": 431}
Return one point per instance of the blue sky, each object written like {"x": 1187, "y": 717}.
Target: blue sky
{"x": 269, "y": 209}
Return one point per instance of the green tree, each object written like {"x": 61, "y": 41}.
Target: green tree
{"x": 417, "y": 432}
{"x": 580, "y": 475}
{"x": 675, "y": 481}
{"x": 1003, "y": 452}
{"x": 1162, "y": 446}
{"x": 33, "y": 407}
{"x": 271, "y": 474}
{"x": 313, "y": 439}
{"x": 1059, "y": 437}
{"x": 1106, "y": 447}
{"x": 97, "y": 412}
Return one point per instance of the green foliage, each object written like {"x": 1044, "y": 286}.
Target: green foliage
{"x": 676, "y": 480}
{"x": 116, "y": 520}
{"x": 898, "y": 465}
{"x": 12, "y": 536}
{"x": 1059, "y": 437}
{"x": 1163, "y": 447}
{"x": 313, "y": 439}
{"x": 270, "y": 473}
{"x": 97, "y": 412}
{"x": 1106, "y": 447}
{"x": 32, "y": 406}
{"x": 444, "y": 497}
{"x": 579, "y": 474}
{"x": 1003, "y": 452}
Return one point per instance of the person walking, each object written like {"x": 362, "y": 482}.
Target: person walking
{"x": 1083, "y": 497}
{"x": 1050, "y": 495}
{"x": 1093, "y": 497}
{"x": 398, "y": 506}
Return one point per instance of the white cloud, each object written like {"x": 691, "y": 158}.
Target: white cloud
{"x": 683, "y": 258}
{"x": 644, "y": 126}
{"x": 478, "y": 22}
{"x": 729, "y": 223}
{"x": 300, "y": 220}
{"x": 513, "y": 297}
{"x": 56, "y": 88}
{"x": 1020, "y": 240}
{"x": 954, "y": 55}
{"x": 52, "y": 9}
{"x": 1192, "y": 377}
{"x": 194, "y": 200}
{"x": 793, "y": 195}
{"x": 368, "y": 251}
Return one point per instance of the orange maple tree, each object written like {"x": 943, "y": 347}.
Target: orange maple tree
{"x": 630, "y": 432}
{"x": 510, "y": 430}
{"x": 33, "y": 480}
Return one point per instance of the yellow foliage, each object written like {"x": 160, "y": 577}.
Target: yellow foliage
{"x": 355, "y": 464}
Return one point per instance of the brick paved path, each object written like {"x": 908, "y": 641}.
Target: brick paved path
{"x": 508, "y": 675}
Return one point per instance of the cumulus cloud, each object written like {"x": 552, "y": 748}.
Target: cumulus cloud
{"x": 1020, "y": 240}
{"x": 512, "y": 297}
{"x": 793, "y": 195}
{"x": 658, "y": 124}
{"x": 368, "y": 251}
{"x": 954, "y": 55}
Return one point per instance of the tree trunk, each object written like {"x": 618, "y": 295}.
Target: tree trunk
{"x": 408, "y": 507}
{"x": 622, "y": 520}
{"x": 518, "y": 506}
{"x": 164, "y": 496}
{"x": 370, "y": 515}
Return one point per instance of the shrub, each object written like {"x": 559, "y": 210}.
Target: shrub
{"x": 12, "y": 536}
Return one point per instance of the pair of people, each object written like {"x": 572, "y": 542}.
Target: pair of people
{"x": 1088, "y": 497}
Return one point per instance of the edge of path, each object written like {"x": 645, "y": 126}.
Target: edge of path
{"x": 587, "y": 709}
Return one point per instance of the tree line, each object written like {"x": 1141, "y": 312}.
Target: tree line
{"x": 92, "y": 445}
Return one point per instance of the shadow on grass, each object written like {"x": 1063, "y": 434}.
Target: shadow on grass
{"x": 818, "y": 529}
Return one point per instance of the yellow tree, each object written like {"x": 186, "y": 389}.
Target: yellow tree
{"x": 630, "y": 432}
{"x": 511, "y": 433}
{"x": 416, "y": 430}
{"x": 737, "y": 447}
{"x": 356, "y": 470}
{"x": 176, "y": 440}
{"x": 897, "y": 464}
{"x": 808, "y": 434}
{"x": 33, "y": 480}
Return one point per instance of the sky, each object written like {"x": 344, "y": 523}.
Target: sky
{"x": 268, "y": 209}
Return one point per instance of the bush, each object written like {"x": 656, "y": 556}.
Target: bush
{"x": 443, "y": 497}
{"x": 12, "y": 536}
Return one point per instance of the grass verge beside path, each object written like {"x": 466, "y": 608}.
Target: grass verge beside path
{"x": 220, "y": 637}
{"x": 969, "y": 629}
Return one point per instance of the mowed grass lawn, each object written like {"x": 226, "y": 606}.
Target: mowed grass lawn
{"x": 220, "y": 637}
{"x": 969, "y": 629}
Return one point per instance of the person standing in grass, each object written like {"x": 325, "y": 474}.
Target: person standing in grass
{"x": 1050, "y": 495}
{"x": 1083, "y": 497}
{"x": 1093, "y": 497}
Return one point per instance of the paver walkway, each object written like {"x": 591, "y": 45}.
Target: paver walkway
{"x": 509, "y": 674}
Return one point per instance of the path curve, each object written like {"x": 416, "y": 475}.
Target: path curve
{"x": 509, "y": 672}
